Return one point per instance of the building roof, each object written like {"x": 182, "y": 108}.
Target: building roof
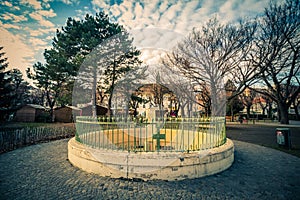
{"x": 71, "y": 107}
{"x": 89, "y": 105}
{"x": 35, "y": 106}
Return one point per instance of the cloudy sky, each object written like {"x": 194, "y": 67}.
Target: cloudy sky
{"x": 27, "y": 27}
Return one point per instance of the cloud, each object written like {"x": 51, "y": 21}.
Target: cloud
{"x": 40, "y": 15}
{"x": 155, "y": 38}
{"x": 80, "y": 14}
{"x": 16, "y": 8}
{"x": 157, "y": 23}
{"x": 43, "y": 22}
{"x": 6, "y": 3}
{"x": 101, "y": 4}
{"x": 38, "y": 44}
{"x": 40, "y": 31}
{"x": 13, "y": 17}
{"x": 17, "y": 52}
{"x": 8, "y": 26}
{"x": 47, "y": 13}
{"x": 241, "y": 9}
{"x": 34, "y": 3}
{"x": 70, "y": 2}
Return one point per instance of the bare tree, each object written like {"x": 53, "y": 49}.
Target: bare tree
{"x": 276, "y": 54}
{"x": 185, "y": 91}
{"x": 204, "y": 98}
{"x": 234, "y": 103}
{"x": 213, "y": 53}
{"x": 108, "y": 63}
{"x": 264, "y": 103}
{"x": 126, "y": 91}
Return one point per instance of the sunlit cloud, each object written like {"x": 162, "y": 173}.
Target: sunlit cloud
{"x": 47, "y": 13}
{"x": 105, "y": 4}
{"x": 16, "y": 50}
{"x": 40, "y": 31}
{"x": 28, "y": 26}
{"x": 13, "y": 18}
{"x": 39, "y": 45}
{"x": 173, "y": 17}
{"x": 37, "y": 16}
{"x": 34, "y": 3}
{"x": 8, "y": 26}
{"x": 81, "y": 13}
{"x": 70, "y": 2}
{"x": 6, "y": 3}
{"x": 16, "y": 8}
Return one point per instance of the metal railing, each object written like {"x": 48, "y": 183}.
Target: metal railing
{"x": 140, "y": 135}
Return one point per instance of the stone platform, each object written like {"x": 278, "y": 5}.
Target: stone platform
{"x": 164, "y": 165}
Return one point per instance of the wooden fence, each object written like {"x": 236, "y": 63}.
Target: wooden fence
{"x": 11, "y": 139}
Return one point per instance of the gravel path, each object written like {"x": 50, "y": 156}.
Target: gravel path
{"x": 43, "y": 172}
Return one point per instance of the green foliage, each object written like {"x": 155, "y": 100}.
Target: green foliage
{"x": 3, "y": 61}
{"x": 234, "y": 106}
{"x": 13, "y": 89}
{"x": 5, "y": 86}
{"x": 69, "y": 48}
{"x": 107, "y": 64}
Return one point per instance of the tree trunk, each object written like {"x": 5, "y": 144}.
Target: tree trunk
{"x": 52, "y": 114}
{"x": 270, "y": 110}
{"x": 109, "y": 113}
{"x": 296, "y": 111}
{"x": 231, "y": 112}
{"x": 283, "y": 113}
{"x": 51, "y": 105}
{"x": 94, "y": 107}
{"x": 248, "y": 111}
{"x": 182, "y": 110}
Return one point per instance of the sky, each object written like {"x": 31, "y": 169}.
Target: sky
{"x": 27, "y": 27}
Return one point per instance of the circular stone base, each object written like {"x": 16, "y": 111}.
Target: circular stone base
{"x": 151, "y": 165}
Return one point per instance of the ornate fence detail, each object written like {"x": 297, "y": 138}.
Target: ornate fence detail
{"x": 139, "y": 135}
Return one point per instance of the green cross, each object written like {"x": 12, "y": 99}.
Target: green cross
{"x": 159, "y": 137}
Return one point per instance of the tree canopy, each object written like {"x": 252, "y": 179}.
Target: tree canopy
{"x": 71, "y": 45}
{"x": 276, "y": 54}
{"x": 263, "y": 51}
{"x": 13, "y": 89}
{"x": 210, "y": 54}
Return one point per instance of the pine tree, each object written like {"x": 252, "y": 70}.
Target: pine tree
{"x": 72, "y": 44}
{"x": 5, "y": 87}
{"x": 14, "y": 90}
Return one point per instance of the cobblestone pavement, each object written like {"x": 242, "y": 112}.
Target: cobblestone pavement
{"x": 43, "y": 172}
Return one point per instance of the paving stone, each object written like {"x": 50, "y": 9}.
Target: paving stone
{"x": 43, "y": 172}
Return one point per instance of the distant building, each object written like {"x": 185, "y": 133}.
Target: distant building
{"x": 31, "y": 113}
{"x": 160, "y": 101}
{"x": 66, "y": 113}
{"x": 88, "y": 110}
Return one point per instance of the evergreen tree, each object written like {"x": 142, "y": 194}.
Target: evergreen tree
{"x": 13, "y": 89}
{"x": 72, "y": 44}
{"x": 5, "y": 87}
